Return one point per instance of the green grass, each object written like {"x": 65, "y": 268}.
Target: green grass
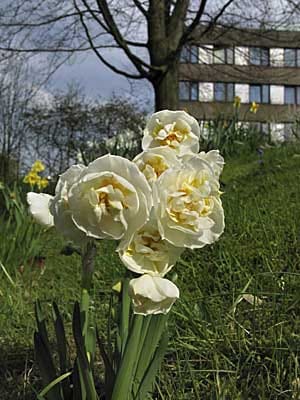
{"x": 222, "y": 346}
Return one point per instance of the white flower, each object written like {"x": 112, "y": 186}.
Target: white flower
{"x": 148, "y": 253}
{"x": 59, "y": 205}
{"x": 215, "y": 160}
{"x": 175, "y": 129}
{"x": 188, "y": 206}
{"x": 39, "y": 208}
{"x": 152, "y": 295}
{"x": 213, "y": 157}
{"x": 111, "y": 198}
{"x": 153, "y": 162}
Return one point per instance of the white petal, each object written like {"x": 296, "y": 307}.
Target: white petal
{"x": 39, "y": 208}
{"x": 152, "y": 295}
{"x": 111, "y": 199}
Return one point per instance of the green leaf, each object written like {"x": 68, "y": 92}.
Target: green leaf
{"x": 88, "y": 329}
{"x": 76, "y": 383}
{"x": 146, "y": 324}
{"x": 109, "y": 371}
{"x": 123, "y": 382}
{"x": 54, "y": 383}
{"x": 62, "y": 349}
{"x": 84, "y": 308}
{"x": 83, "y": 362}
{"x": 156, "y": 327}
{"x": 149, "y": 378}
{"x": 41, "y": 324}
{"x": 10, "y": 280}
{"x": 90, "y": 343}
{"x": 46, "y": 366}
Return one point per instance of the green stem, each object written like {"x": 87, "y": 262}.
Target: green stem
{"x": 125, "y": 314}
{"x": 88, "y": 265}
{"x": 88, "y": 326}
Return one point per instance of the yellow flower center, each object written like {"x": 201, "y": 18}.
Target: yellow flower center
{"x": 158, "y": 165}
{"x": 171, "y": 134}
{"x": 189, "y": 204}
{"x": 149, "y": 244}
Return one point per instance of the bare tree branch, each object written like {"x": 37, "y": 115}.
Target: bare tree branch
{"x": 110, "y": 22}
{"x": 141, "y": 8}
{"x": 99, "y": 55}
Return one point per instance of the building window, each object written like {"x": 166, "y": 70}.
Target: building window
{"x": 292, "y": 95}
{"x": 223, "y": 91}
{"x": 259, "y": 56}
{"x": 223, "y": 55}
{"x": 260, "y": 94}
{"x": 189, "y": 54}
{"x": 188, "y": 91}
{"x": 206, "y": 91}
{"x": 292, "y": 57}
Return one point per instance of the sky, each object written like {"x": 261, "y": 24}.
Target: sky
{"x": 99, "y": 82}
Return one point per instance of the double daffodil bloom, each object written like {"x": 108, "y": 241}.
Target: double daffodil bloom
{"x": 154, "y": 162}
{"x": 148, "y": 253}
{"x": 175, "y": 129}
{"x": 188, "y": 205}
{"x": 111, "y": 198}
{"x": 152, "y": 295}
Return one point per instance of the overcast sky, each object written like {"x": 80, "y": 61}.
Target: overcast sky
{"x": 99, "y": 82}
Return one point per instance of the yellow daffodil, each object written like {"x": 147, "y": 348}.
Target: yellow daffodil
{"x": 254, "y": 107}
{"x": 42, "y": 183}
{"x": 32, "y": 178}
{"x": 38, "y": 166}
{"x": 237, "y": 102}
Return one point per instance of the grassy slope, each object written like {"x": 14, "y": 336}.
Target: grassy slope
{"x": 220, "y": 348}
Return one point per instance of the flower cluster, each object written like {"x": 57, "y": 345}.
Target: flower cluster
{"x": 33, "y": 178}
{"x": 165, "y": 200}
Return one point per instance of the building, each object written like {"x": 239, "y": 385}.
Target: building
{"x": 255, "y": 65}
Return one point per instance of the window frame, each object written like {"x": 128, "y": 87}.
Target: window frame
{"x": 296, "y": 52}
{"x": 226, "y": 92}
{"x": 261, "y": 87}
{"x": 296, "y": 90}
{"x": 226, "y": 49}
{"x": 190, "y": 85}
{"x": 261, "y": 56}
{"x": 189, "y": 51}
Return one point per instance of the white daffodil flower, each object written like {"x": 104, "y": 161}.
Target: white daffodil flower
{"x": 39, "y": 208}
{"x": 148, "y": 253}
{"x": 59, "y": 205}
{"x": 175, "y": 129}
{"x": 213, "y": 157}
{"x": 188, "y": 206}
{"x": 154, "y": 162}
{"x": 111, "y": 198}
{"x": 152, "y": 295}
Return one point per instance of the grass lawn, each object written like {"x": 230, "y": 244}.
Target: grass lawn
{"x": 234, "y": 334}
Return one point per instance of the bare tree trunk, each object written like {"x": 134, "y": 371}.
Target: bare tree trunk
{"x": 166, "y": 89}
